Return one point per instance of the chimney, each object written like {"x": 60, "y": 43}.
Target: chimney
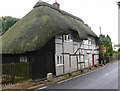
{"x": 118, "y": 4}
{"x": 57, "y": 5}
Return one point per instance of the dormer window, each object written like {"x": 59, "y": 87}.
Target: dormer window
{"x": 92, "y": 42}
{"x": 68, "y": 37}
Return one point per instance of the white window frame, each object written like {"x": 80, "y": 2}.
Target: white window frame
{"x": 59, "y": 60}
{"x": 68, "y": 38}
{"x": 23, "y": 58}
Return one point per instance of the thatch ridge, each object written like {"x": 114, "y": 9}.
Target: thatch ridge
{"x": 64, "y": 13}
{"x": 53, "y": 7}
{"x": 37, "y": 27}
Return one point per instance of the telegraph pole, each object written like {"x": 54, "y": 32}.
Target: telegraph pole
{"x": 118, "y": 3}
{"x": 100, "y": 30}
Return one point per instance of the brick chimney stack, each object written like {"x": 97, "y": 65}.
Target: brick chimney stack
{"x": 57, "y": 5}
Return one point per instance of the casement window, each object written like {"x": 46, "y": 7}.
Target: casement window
{"x": 92, "y": 42}
{"x": 59, "y": 60}
{"x": 23, "y": 59}
{"x": 68, "y": 37}
{"x": 89, "y": 42}
{"x": 85, "y": 41}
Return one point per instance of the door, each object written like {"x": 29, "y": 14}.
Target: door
{"x": 93, "y": 59}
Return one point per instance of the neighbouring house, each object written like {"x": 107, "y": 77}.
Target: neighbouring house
{"x": 116, "y": 47}
{"x": 52, "y": 41}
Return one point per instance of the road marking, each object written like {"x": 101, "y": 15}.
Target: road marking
{"x": 106, "y": 74}
{"x": 79, "y": 75}
{"x": 84, "y": 74}
{"x": 41, "y": 88}
{"x": 65, "y": 80}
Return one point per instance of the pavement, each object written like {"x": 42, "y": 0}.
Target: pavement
{"x": 103, "y": 78}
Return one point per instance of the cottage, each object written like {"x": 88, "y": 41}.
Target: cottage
{"x": 51, "y": 40}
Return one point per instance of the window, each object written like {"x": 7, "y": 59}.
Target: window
{"x": 59, "y": 60}
{"x": 89, "y": 42}
{"x": 92, "y": 42}
{"x": 68, "y": 37}
{"x": 85, "y": 41}
{"x": 23, "y": 59}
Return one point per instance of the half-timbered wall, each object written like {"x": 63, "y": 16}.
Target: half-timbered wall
{"x": 75, "y": 55}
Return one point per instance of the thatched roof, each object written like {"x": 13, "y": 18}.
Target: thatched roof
{"x": 42, "y": 23}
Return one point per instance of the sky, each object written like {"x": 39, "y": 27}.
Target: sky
{"x": 95, "y": 13}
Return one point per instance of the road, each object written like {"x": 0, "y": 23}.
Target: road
{"x": 103, "y": 78}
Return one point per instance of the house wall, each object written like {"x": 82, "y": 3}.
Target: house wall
{"x": 10, "y": 58}
{"x": 71, "y": 62}
{"x": 41, "y": 61}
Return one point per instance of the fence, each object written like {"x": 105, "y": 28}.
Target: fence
{"x": 114, "y": 57}
{"x": 12, "y": 73}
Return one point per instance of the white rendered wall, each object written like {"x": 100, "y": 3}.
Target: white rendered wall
{"x": 71, "y": 47}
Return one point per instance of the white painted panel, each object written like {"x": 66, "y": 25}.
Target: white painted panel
{"x": 66, "y": 63}
{"x": 73, "y": 63}
{"x": 68, "y": 47}
{"x": 58, "y": 49}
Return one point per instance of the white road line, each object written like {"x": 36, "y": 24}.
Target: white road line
{"x": 106, "y": 74}
{"x": 41, "y": 88}
{"x": 83, "y": 74}
{"x": 65, "y": 80}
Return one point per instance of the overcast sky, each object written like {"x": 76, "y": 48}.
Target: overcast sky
{"x": 95, "y": 13}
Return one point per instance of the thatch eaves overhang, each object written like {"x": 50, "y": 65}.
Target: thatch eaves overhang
{"x": 42, "y": 23}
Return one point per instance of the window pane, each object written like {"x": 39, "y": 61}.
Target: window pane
{"x": 68, "y": 37}
{"x": 57, "y": 59}
{"x": 65, "y": 37}
{"x": 61, "y": 61}
{"x": 25, "y": 59}
{"x": 21, "y": 59}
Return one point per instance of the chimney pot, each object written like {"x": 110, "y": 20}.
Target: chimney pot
{"x": 57, "y": 5}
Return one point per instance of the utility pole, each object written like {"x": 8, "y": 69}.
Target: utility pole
{"x": 118, "y": 3}
{"x": 100, "y": 30}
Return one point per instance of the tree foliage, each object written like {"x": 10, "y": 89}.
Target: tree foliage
{"x": 106, "y": 43}
{"x": 8, "y": 22}
{"x": 119, "y": 53}
{"x": 119, "y": 50}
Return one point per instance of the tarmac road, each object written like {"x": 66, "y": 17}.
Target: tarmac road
{"x": 103, "y": 78}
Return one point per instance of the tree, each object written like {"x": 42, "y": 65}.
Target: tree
{"x": 119, "y": 53}
{"x": 119, "y": 50}
{"x": 106, "y": 42}
{"x": 8, "y": 22}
